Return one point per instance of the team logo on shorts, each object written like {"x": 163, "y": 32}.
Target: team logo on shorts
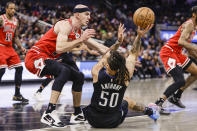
{"x": 77, "y": 35}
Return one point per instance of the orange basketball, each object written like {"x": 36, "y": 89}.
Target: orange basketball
{"x": 143, "y": 17}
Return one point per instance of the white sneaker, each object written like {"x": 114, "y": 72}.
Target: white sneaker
{"x": 38, "y": 96}
{"x": 51, "y": 119}
{"x": 76, "y": 119}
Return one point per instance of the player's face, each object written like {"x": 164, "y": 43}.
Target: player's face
{"x": 11, "y": 10}
{"x": 107, "y": 66}
{"x": 84, "y": 18}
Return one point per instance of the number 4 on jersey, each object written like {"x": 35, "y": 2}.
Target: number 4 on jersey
{"x": 39, "y": 64}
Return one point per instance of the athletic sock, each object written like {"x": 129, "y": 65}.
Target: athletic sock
{"x": 160, "y": 102}
{"x": 77, "y": 110}
{"x": 17, "y": 91}
{"x": 51, "y": 107}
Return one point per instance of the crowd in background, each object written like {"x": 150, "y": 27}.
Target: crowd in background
{"x": 105, "y": 19}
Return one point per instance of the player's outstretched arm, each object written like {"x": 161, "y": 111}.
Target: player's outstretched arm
{"x": 131, "y": 59}
{"x": 63, "y": 29}
{"x": 96, "y": 68}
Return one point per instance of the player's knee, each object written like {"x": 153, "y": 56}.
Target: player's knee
{"x": 78, "y": 83}
{"x": 61, "y": 79}
{"x": 64, "y": 74}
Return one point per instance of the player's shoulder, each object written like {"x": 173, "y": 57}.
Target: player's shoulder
{"x": 62, "y": 25}
{"x": 188, "y": 23}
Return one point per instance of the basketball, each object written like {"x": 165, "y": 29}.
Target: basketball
{"x": 143, "y": 17}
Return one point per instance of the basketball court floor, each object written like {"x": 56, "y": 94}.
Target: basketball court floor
{"x": 17, "y": 116}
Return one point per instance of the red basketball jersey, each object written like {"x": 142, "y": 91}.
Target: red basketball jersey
{"x": 7, "y": 30}
{"x": 47, "y": 43}
{"x": 173, "y": 42}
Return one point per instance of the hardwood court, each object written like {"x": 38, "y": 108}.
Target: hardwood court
{"x": 16, "y": 116}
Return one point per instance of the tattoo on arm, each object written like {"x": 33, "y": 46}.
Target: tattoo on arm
{"x": 139, "y": 107}
{"x": 186, "y": 31}
{"x": 136, "y": 45}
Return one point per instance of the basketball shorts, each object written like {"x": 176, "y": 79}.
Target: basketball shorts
{"x": 35, "y": 61}
{"x": 105, "y": 119}
{"x": 171, "y": 59}
{"x": 9, "y": 58}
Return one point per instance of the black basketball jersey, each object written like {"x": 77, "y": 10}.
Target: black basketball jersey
{"x": 108, "y": 94}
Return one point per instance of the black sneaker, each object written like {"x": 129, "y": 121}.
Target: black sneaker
{"x": 176, "y": 101}
{"x": 20, "y": 98}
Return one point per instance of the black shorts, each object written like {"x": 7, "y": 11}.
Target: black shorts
{"x": 67, "y": 58}
{"x": 105, "y": 120}
{"x": 191, "y": 60}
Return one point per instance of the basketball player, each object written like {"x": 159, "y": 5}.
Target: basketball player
{"x": 63, "y": 37}
{"x": 8, "y": 57}
{"x": 64, "y": 58}
{"x": 111, "y": 76}
{"x": 175, "y": 62}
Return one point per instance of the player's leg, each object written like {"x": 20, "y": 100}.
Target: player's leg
{"x": 152, "y": 110}
{"x": 179, "y": 81}
{"x": 77, "y": 78}
{"x": 171, "y": 60}
{"x": 18, "y": 80}
{"x": 14, "y": 62}
{"x": 61, "y": 74}
{"x": 175, "y": 99}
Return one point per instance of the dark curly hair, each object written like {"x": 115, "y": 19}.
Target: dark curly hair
{"x": 117, "y": 63}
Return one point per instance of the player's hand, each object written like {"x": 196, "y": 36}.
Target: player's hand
{"x": 88, "y": 33}
{"x": 121, "y": 30}
{"x": 141, "y": 32}
{"x": 23, "y": 50}
{"x": 152, "y": 111}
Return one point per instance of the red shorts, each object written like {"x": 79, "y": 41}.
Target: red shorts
{"x": 34, "y": 61}
{"x": 171, "y": 58}
{"x": 8, "y": 57}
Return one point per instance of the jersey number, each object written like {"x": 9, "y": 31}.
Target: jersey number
{"x": 113, "y": 99}
{"x": 8, "y": 36}
{"x": 171, "y": 62}
{"x": 39, "y": 64}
